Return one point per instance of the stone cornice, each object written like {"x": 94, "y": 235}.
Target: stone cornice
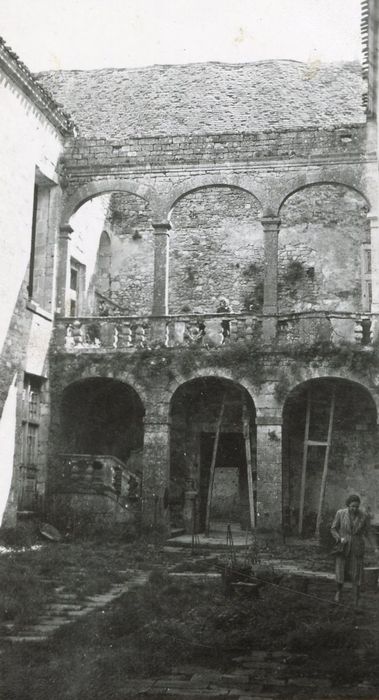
{"x": 18, "y": 72}
{"x": 114, "y": 170}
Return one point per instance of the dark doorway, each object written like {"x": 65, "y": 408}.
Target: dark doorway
{"x": 230, "y": 496}
{"x": 200, "y": 408}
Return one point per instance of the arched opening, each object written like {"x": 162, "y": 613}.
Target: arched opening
{"x": 206, "y": 412}
{"x": 97, "y": 482}
{"x": 324, "y": 250}
{"x": 216, "y": 249}
{"x": 103, "y": 265}
{"x": 102, "y": 417}
{"x": 330, "y": 444}
{"x": 111, "y": 254}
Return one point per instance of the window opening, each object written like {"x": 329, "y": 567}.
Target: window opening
{"x": 77, "y": 282}
{"x": 366, "y": 277}
{"x": 33, "y": 243}
{"x": 31, "y": 406}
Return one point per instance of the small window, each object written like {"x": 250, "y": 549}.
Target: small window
{"x": 367, "y": 261}
{"x": 77, "y": 286}
{"x": 366, "y": 277}
{"x": 41, "y": 232}
{"x": 74, "y": 279}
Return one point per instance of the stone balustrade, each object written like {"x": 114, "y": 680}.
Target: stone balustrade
{"x": 307, "y": 328}
{"x": 133, "y": 332}
{"x": 208, "y": 330}
{"x": 99, "y": 473}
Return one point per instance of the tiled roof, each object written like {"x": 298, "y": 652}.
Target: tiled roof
{"x": 209, "y": 97}
{"x": 12, "y": 65}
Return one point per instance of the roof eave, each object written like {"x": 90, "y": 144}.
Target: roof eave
{"x": 23, "y": 78}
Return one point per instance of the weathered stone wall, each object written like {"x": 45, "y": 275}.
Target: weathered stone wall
{"x": 25, "y": 350}
{"x": 32, "y": 141}
{"x": 217, "y": 249}
{"x": 30, "y": 147}
{"x": 150, "y": 153}
{"x": 132, "y": 253}
{"x": 322, "y": 231}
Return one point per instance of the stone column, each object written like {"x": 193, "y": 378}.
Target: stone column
{"x": 156, "y": 466}
{"x": 161, "y": 261}
{"x": 63, "y": 267}
{"x": 374, "y": 238}
{"x": 269, "y": 470}
{"x": 271, "y": 226}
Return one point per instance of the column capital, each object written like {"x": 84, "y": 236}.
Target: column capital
{"x": 270, "y": 223}
{"x": 269, "y": 419}
{"x": 161, "y": 227}
{"x": 65, "y": 231}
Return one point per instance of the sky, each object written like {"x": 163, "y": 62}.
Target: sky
{"x": 85, "y": 34}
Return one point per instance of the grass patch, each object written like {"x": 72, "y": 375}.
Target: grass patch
{"x": 166, "y": 623}
{"x": 28, "y": 576}
{"x": 22, "y": 593}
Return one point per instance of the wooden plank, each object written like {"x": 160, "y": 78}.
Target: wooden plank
{"x": 212, "y": 467}
{"x": 316, "y": 443}
{"x": 304, "y": 465}
{"x": 326, "y": 462}
{"x": 246, "y": 434}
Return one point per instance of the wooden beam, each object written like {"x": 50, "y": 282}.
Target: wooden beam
{"x": 304, "y": 465}
{"x": 326, "y": 462}
{"x": 213, "y": 466}
{"x": 246, "y": 434}
{"x": 316, "y": 443}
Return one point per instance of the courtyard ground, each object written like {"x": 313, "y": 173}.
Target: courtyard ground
{"x": 122, "y": 620}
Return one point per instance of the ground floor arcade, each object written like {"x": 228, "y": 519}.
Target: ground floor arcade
{"x": 210, "y": 451}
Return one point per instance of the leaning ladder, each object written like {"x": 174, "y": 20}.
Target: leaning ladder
{"x": 315, "y": 443}
{"x": 212, "y": 468}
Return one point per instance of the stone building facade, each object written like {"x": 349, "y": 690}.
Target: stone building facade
{"x": 33, "y": 134}
{"x": 185, "y": 184}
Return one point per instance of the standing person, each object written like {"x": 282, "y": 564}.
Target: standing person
{"x": 224, "y": 308}
{"x": 350, "y": 527}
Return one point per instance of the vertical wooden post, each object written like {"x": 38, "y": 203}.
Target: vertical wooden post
{"x": 326, "y": 461}
{"x": 304, "y": 465}
{"x": 246, "y": 434}
{"x": 212, "y": 467}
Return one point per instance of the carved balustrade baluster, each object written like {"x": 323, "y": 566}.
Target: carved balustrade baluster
{"x": 88, "y": 474}
{"x": 125, "y": 336}
{"x": 140, "y": 336}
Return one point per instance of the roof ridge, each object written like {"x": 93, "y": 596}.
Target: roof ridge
{"x": 191, "y": 65}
